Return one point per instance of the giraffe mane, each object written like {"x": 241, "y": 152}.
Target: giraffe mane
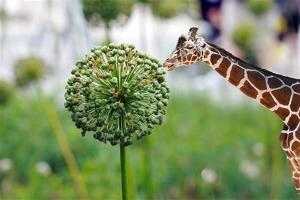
{"x": 244, "y": 63}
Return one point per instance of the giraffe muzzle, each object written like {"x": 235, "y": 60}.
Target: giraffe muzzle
{"x": 169, "y": 65}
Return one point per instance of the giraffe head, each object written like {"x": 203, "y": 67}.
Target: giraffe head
{"x": 189, "y": 50}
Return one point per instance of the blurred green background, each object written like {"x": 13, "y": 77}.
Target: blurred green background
{"x": 203, "y": 151}
{"x": 214, "y": 143}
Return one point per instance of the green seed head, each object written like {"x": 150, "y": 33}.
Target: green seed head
{"x": 116, "y": 93}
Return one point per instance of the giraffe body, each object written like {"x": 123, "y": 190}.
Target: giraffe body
{"x": 278, "y": 93}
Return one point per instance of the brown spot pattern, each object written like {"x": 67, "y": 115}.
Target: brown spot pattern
{"x": 257, "y": 79}
{"x": 274, "y": 82}
{"x": 236, "y": 75}
{"x": 225, "y": 63}
{"x": 267, "y": 100}
{"x": 214, "y": 58}
{"x": 206, "y": 53}
{"x": 282, "y": 112}
{"x": 194, "y": 58}
{"x": 296, "y": 147}
{"x": 189, "y": 57}
{"x": 249, "y": 90}
{"x": 298, "y": 134}
{"x": 295, "y": 104}
{"x": 283, "y": 95}
{"x": 223, "y": 68}
{"x": 293, "y": 121}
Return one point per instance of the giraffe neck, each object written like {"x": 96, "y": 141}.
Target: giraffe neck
{"x": 278, "y": 93}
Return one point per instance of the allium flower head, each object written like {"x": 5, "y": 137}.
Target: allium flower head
{"x": 116, "y": 93}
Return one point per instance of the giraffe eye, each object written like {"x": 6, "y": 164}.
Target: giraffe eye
{"x": 203, "y": 45}
{"x": 189, "y": 46}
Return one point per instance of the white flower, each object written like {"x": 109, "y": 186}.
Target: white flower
{"x": 209, "y": 175}
{"x": 249, "y": 169}
{"x": 258, "y": 149}
{"x": 43, "y": 168}
{"x": 5, "y": 164}
{"x": 6, "y": 185}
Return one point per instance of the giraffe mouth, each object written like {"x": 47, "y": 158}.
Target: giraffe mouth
{"x": 169, "y": 66}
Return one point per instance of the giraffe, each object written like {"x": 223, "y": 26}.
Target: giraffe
{"x": 278, "y": 93}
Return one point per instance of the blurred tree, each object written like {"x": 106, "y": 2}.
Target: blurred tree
{"x": 106, "y": 11}
{"x": 6, "y": 91}
{"x": 259, "y": 7}
{"x": 170, "y": 8}
{"x": 28, "y": 70}
{"x": 243, "y": 35}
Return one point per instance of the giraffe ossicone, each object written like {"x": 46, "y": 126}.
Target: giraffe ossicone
{"x": 280, "y": 94}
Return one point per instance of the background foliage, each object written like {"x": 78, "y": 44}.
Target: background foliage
{"x": 219, "y": 139}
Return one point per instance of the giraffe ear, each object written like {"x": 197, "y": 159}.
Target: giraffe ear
{"x": 193, "y": 32}
{"x": 180, "y": 42}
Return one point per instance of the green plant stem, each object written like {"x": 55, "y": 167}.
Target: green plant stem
{"x": 123, "y": 171}
{"x": 66, "y": 151}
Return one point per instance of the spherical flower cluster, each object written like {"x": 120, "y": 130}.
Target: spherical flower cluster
{"x": 116, "y": 93}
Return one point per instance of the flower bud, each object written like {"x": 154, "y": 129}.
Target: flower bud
{"x": 114, "y": 80}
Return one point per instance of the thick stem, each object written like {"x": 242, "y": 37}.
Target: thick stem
{"x": 123, "y": 160}
{"x": 123, "y": 171}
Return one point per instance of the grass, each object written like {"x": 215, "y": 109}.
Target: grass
{"x": 197, "y": 134}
